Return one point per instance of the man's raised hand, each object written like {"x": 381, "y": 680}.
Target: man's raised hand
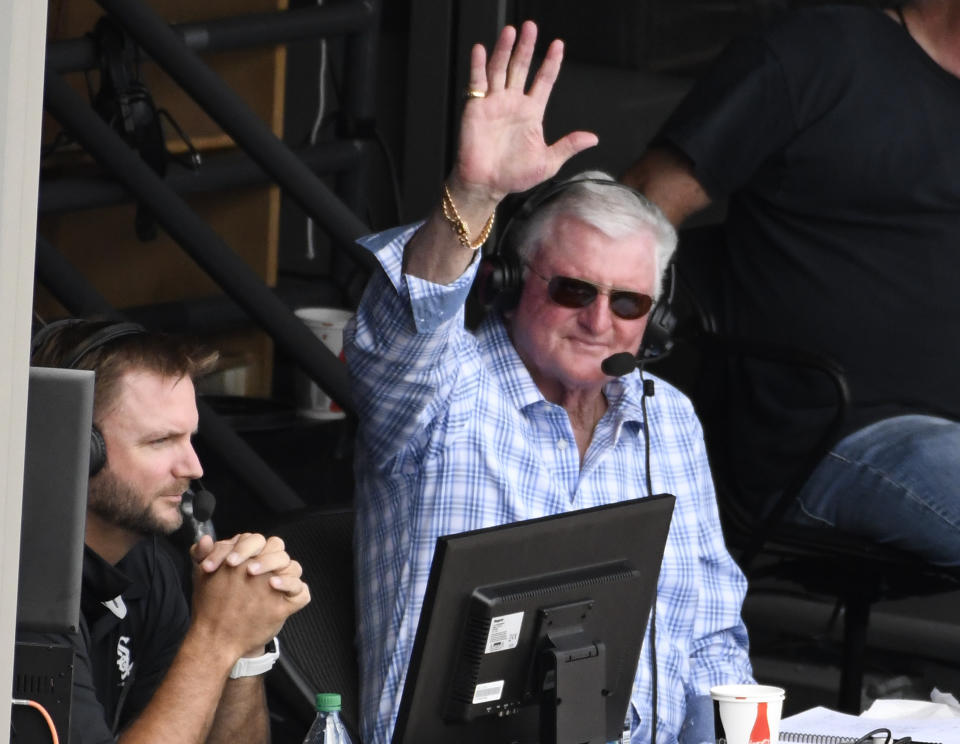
{"x": 502, "y": 147}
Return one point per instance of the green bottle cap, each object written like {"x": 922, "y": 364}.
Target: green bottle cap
{"x": 328, "y": 701}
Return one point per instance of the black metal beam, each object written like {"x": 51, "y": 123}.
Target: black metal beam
{"x": 236, "y": 32}
{"x": 219, "y": 314}
{"x": 198, "y": 239}
{"x": 233, "y": 115}
{"x": 218, "y": 171}
{"x": 74, "y": 292}
{"x": 81, "y": 299}
{"x": 427, "y": 138}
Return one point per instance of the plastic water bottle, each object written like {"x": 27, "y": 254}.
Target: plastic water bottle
{"x": 327, "y": 727}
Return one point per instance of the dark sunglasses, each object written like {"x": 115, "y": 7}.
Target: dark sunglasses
{"x": 576, "y": 293}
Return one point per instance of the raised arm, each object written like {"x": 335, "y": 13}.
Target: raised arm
{"x": 666, "y": 178}
{"x": 501, "y": 149}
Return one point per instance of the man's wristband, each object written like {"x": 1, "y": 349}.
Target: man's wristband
{"x": 258, "y": 664}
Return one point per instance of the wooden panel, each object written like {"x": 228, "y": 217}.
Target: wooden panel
{"x": 255, "y": 74}
{"x": 102, "y": 243}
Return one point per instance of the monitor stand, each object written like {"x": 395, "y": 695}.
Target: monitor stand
{"x": 574, "y": 703}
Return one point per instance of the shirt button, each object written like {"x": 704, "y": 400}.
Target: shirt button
{"x": 562, "y": 444}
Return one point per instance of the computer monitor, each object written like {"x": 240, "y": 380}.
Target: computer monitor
{"x": 55, "y": 474}
{"x": 530, "y": 632}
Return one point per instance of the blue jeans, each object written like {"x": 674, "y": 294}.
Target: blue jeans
{"x": 896, "y": 481}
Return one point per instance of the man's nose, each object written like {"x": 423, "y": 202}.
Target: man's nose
{"x": 188, "y": 464}
{"x": 596, "y": 315}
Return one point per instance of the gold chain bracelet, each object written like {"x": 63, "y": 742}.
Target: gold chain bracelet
{"x": 452, "y": 216}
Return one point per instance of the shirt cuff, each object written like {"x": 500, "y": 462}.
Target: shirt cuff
{"x": 432, "y": 304}
{"x": 435, "y": 304}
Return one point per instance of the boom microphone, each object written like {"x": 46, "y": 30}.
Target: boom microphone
{"x": 204, "y": 503}
{"x": 620, "y": 364}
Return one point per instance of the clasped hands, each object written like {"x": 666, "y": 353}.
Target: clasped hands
{"x": 247, "y": 585}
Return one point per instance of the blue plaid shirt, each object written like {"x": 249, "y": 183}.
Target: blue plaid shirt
{"x": 456, "y": 436}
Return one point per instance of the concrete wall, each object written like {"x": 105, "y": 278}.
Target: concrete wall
{"x": 22, "y": 35}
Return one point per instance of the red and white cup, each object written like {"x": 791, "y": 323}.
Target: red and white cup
{"x": 327, "y": 323}
{"x": 747, "y": 714}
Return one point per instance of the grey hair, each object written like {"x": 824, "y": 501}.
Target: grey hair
{"x": 616, "y": 212}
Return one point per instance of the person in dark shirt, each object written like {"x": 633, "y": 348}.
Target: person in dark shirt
{"x": 834, "y": 136}
{"x": 148, "y": 669}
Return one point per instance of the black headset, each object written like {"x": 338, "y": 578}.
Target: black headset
{"x": 102, "y": 336}
{"x": 500, "y": 274}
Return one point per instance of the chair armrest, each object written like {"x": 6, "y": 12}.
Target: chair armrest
{"x": 717, "y": 344}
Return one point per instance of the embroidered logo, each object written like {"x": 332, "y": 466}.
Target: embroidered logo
{"x": 124, "y": 662}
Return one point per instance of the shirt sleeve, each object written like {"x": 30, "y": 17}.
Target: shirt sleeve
{"x": 740, "y": 117}
{"x": 733, "y": 118}
{"x": 719, "y": 652}
{"x": 406, "y": 348}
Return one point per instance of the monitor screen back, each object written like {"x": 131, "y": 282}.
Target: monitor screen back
{"x": 631, "y": 531}
{"x": 56, "y": 471}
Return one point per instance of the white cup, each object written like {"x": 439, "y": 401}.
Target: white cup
{"x": 747, "y": 714}
{"x": 327, "y": 323}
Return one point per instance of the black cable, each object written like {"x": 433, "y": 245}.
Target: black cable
{"x": 648, "y": 390}
{"x": 391, "y": 167}
{"x": 868, "y": 737}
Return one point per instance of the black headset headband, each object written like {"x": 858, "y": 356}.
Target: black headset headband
{"x": 95, "y": 340}
{"x": 101, "y": 338}
{"x": 535, "y": 199}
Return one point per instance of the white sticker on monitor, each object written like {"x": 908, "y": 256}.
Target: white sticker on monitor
{"x": 504, "y": 632}
{"x": 488, "y": 692}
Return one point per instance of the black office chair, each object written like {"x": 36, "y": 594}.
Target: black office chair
{"x": 317, "y": 649}
{"x": 856, "y": 572}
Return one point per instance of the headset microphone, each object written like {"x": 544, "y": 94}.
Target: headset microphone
{"x": 204, "y": 502}
{"x": 197, "y": 508}
{"x": 620, "y": 364}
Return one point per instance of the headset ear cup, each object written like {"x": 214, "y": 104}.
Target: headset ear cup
{"x": 659, "y": 334}
{"x": 489, "y": 279}
{"x": 499, "y": 280}
{"x": 98, "y": 451}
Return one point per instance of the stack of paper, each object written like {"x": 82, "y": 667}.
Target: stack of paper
{"x": 935, "y": 723}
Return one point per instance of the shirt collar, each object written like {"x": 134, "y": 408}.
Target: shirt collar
{"x": 625, "y": 395}
{"x": 104, "y": 581}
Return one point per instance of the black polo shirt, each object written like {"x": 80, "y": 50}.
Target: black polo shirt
{"x": 133, "y": 618}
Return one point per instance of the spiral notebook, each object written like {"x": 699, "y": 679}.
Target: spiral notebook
{"x": 794, "y": 738}
{"x": 824, "y": 726}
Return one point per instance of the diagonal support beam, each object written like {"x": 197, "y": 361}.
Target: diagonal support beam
{"x": 198, "y": 239}
{"x": 233, "y": 115}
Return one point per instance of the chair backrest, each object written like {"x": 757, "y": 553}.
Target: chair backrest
{"x": 317, "y": 644}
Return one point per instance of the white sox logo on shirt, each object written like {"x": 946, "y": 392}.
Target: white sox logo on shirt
{"x": 124, "y": 662}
